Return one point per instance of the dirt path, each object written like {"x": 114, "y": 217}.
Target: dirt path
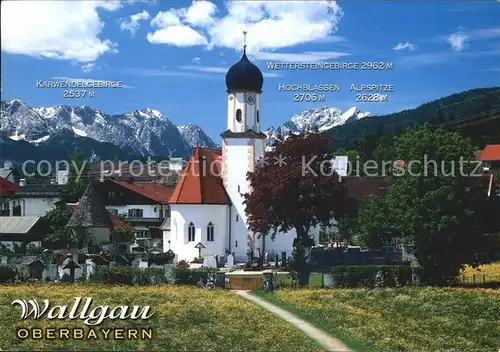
{"x": 330, "y": 343}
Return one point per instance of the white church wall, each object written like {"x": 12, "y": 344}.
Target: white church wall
{"x": 200, "y": 216}
{"x": 284, "y": 242}
{"x": 239, "y": 104}
{"x": 231, "y": 110}
{"x": 238, "y": 235}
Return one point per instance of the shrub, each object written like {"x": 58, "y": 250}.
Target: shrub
{"x": 192, "y": 276}
{"x": 182, "y": 265}
{"x": 198, "y": 260}
{"x": 127, "y": 275}
{"x": 7, "y": 273}
{"x": 371, "y": 275}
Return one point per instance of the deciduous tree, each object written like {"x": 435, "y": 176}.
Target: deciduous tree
{"x": 294, "y": 187}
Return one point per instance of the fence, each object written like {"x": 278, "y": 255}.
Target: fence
{"x": 477, "y": 279}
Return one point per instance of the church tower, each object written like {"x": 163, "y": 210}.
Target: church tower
{"x": 242, "y": 145}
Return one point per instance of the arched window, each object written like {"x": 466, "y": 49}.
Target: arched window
{"x": 210, "y": 232}
{"x": 238, "y": 115}
{"x": 191, "y": 231}
{"x": 258, "y": 116}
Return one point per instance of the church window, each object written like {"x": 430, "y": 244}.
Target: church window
{"x": 258, "y": 116}
{"x": 237, "y": 217}
{"x": 210, "y": 232}
{"x": 191, "y": 231}
{"x": 238, "y": 115}
{"x": 238, "y": 188}
{"x": 236, "y": 244}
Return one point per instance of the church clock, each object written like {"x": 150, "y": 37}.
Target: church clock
{"x": 250, "y": 98}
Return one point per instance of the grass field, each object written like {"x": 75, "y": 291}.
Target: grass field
{"x": 185, "y": 319}
{"x": 404, "y": 319}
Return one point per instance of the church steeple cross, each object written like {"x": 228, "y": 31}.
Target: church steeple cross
{"x": 244, "y": 41}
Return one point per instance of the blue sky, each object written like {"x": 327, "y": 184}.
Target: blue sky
{"x": 172, "y": 56}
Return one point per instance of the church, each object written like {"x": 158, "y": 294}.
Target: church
{"x": 207, "y": 203}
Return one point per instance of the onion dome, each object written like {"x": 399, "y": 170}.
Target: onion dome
{"x": 244, "y": 76}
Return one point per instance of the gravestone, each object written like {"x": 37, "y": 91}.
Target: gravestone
{"x": 143, "y": 265}
{"x": 36, "y": 268}
{"x": 210, "y": 262}
{"x": 230, "y": 262}
{"x": 90, "y": 266}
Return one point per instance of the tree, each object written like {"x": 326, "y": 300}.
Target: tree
{"x": 440, "y": 208}
{"x": 57, "y": 218}
{"x": 122, "y": 233}
{"x": 78, "y": 178}
{"x": 373, "y": 222}
{"x": 299, "y": 193}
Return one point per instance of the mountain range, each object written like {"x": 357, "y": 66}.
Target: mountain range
{"x": 53, "y": 133}
{"x": 37, "y": 133}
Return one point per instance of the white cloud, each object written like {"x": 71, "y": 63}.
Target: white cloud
{"x": 178, "y": 36}
{"x": 196, "y": 60}
{"x": 457, "y": 40}
{"x": 56, "y": 29}
{"x": 131, "y": 24}
{"x": 407, "y": 45}
{"x": 306, "y": 56}
{"x": 220, "y": 70}
{"x": 167, "y": 18}
{"x": 291, "y": 22}
{"x": 200, "y": 13}
{"x": 89, "y": 67}
{"x": 199, "y": 72}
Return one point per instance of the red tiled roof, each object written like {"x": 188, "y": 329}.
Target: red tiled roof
{"x": 7, "y": 188}
{"x": 157, "y": 192}
{"x": 491, "y": 153}
{"x": 200, "y": 181}
{"x": 117, "y": 222}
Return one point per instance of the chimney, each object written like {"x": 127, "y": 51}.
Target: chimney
{"x": 22, "y": 182}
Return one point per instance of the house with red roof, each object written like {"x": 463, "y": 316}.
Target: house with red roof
{"x": 7, "y": 191}
{"x": 206, "y": 206}
{"x": 144, "y": 205}
{"x": 490, "y": 157}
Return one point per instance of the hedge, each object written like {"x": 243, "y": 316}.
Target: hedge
{"x": 127, "y": 275}
{"x": 139, "y": 276}
{"x": 7, "y": 273}
{"x": 192, "y": 276}
{"x": 371, "y": 275}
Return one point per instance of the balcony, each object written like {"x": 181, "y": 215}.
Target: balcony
{"x": 142, "y": 220}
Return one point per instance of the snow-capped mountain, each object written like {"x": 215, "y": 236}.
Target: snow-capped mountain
{"x": 140, "y": 132}
{"x": 194, "y": 136}
{"x": 143, "y": 132}
{"x": 313, "y": 121}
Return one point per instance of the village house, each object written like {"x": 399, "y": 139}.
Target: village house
{"x": 22, "y": 230}
{"x": 142, "y": 204}
{"x": 490, "y": 157}
{"x": 35, "y": 199}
